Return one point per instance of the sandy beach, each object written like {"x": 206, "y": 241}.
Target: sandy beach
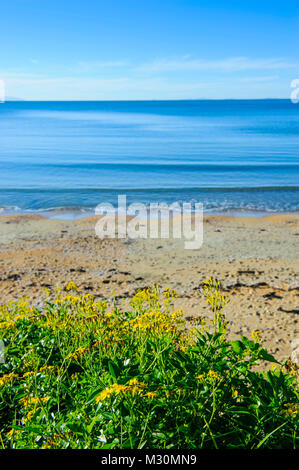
{"x": 256, "y": 260}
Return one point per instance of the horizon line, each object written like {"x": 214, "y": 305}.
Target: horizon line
{"x": 19, "y": 100}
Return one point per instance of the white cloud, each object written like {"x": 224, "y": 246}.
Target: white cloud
{"x": 97, "y": 65}
{"x": 132, "y": 85}
{"x": 128, "y": 88}
{"x": 266, "y": 78}
{"x": 233, "y": 64}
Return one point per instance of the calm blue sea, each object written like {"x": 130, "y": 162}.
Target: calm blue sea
{"x": 234, "y": 156}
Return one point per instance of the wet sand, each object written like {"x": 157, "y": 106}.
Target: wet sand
{"x": 256, "y": 260}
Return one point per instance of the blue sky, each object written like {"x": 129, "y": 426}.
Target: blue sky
{"x": 149, "y": 49}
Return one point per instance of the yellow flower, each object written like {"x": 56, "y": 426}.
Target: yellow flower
{"x": 78, "y": 352}
{"x": 104, "y": 395}
{"x": 170, "y": 293}
{"x": 7, "y": 324}
{"x": 292, "y": 409}
{"x": 30, "y": 414}
{"x": 20, "y": 317}
{"x": 256, "y": 335}
{"x": 29, "y": 374}
{"x": 133, "y": 382}
{"x": 151, "y": 394}
{"x": 119, "y": 388}
{"x": 32, "y": 401}
{"x": 75, "y": 376}
{"x": 8, "y": 379}
{"x": 133, "y": 387}
{"x": 71, "y": 286}
{"x": 135, "y": 390}
{"x": 47, "y": 369}
{"x": 200, "y": 377}
{"x": 290, "y": 367}
{"x": 12, "y": 433}
{"x": 213, "y": 374}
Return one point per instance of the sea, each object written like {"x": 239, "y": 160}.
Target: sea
{"x": 236, "y": 157}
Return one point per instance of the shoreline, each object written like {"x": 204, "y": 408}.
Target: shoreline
{"x": 79, "y": 215}
{"x": 265, "y": 216}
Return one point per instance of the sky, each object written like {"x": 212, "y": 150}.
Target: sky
{"x": 148, "y": 49}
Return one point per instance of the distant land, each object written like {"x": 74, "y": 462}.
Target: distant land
{"x": 12, "y": 98}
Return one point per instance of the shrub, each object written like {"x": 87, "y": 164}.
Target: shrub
{"x": 77, "y": 376}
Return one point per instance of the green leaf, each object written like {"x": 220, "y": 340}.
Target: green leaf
{"x": 89, "y": 428}
{"x": 249, "y": 343}
{"x": 142, "y": 444}
{"x": 33, "y": 429}
{"x": 157, "y": 374}
{"x": 263, "y": 354}
{"x": 268, "y": 435}
{"x": 237, "y": 346}
{"x": 74, "y": 427}
{"x": 94, "y": 394}
{"x": 111, "y": 369}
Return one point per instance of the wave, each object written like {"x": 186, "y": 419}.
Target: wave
{"x": 219, "y": 201}
{"x": 9, "y": 208}
{"x": 149, "y": 190}
{"x": 155, "y": 166}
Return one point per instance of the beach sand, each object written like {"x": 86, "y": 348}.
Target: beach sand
{"x": 256, "y": 260}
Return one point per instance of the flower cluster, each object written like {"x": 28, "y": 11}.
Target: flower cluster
{"x": 29, "y": 402}
{"x": 79, "y": 376}
{"x": 132, "y": 388}
{"x": 8, "y": 379}
{"x": 256, "y": 335}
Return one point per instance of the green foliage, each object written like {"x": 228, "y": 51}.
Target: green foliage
{"x": 77, "y": 376}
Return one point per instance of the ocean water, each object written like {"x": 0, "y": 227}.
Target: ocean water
{"x": 61, "y": 159}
